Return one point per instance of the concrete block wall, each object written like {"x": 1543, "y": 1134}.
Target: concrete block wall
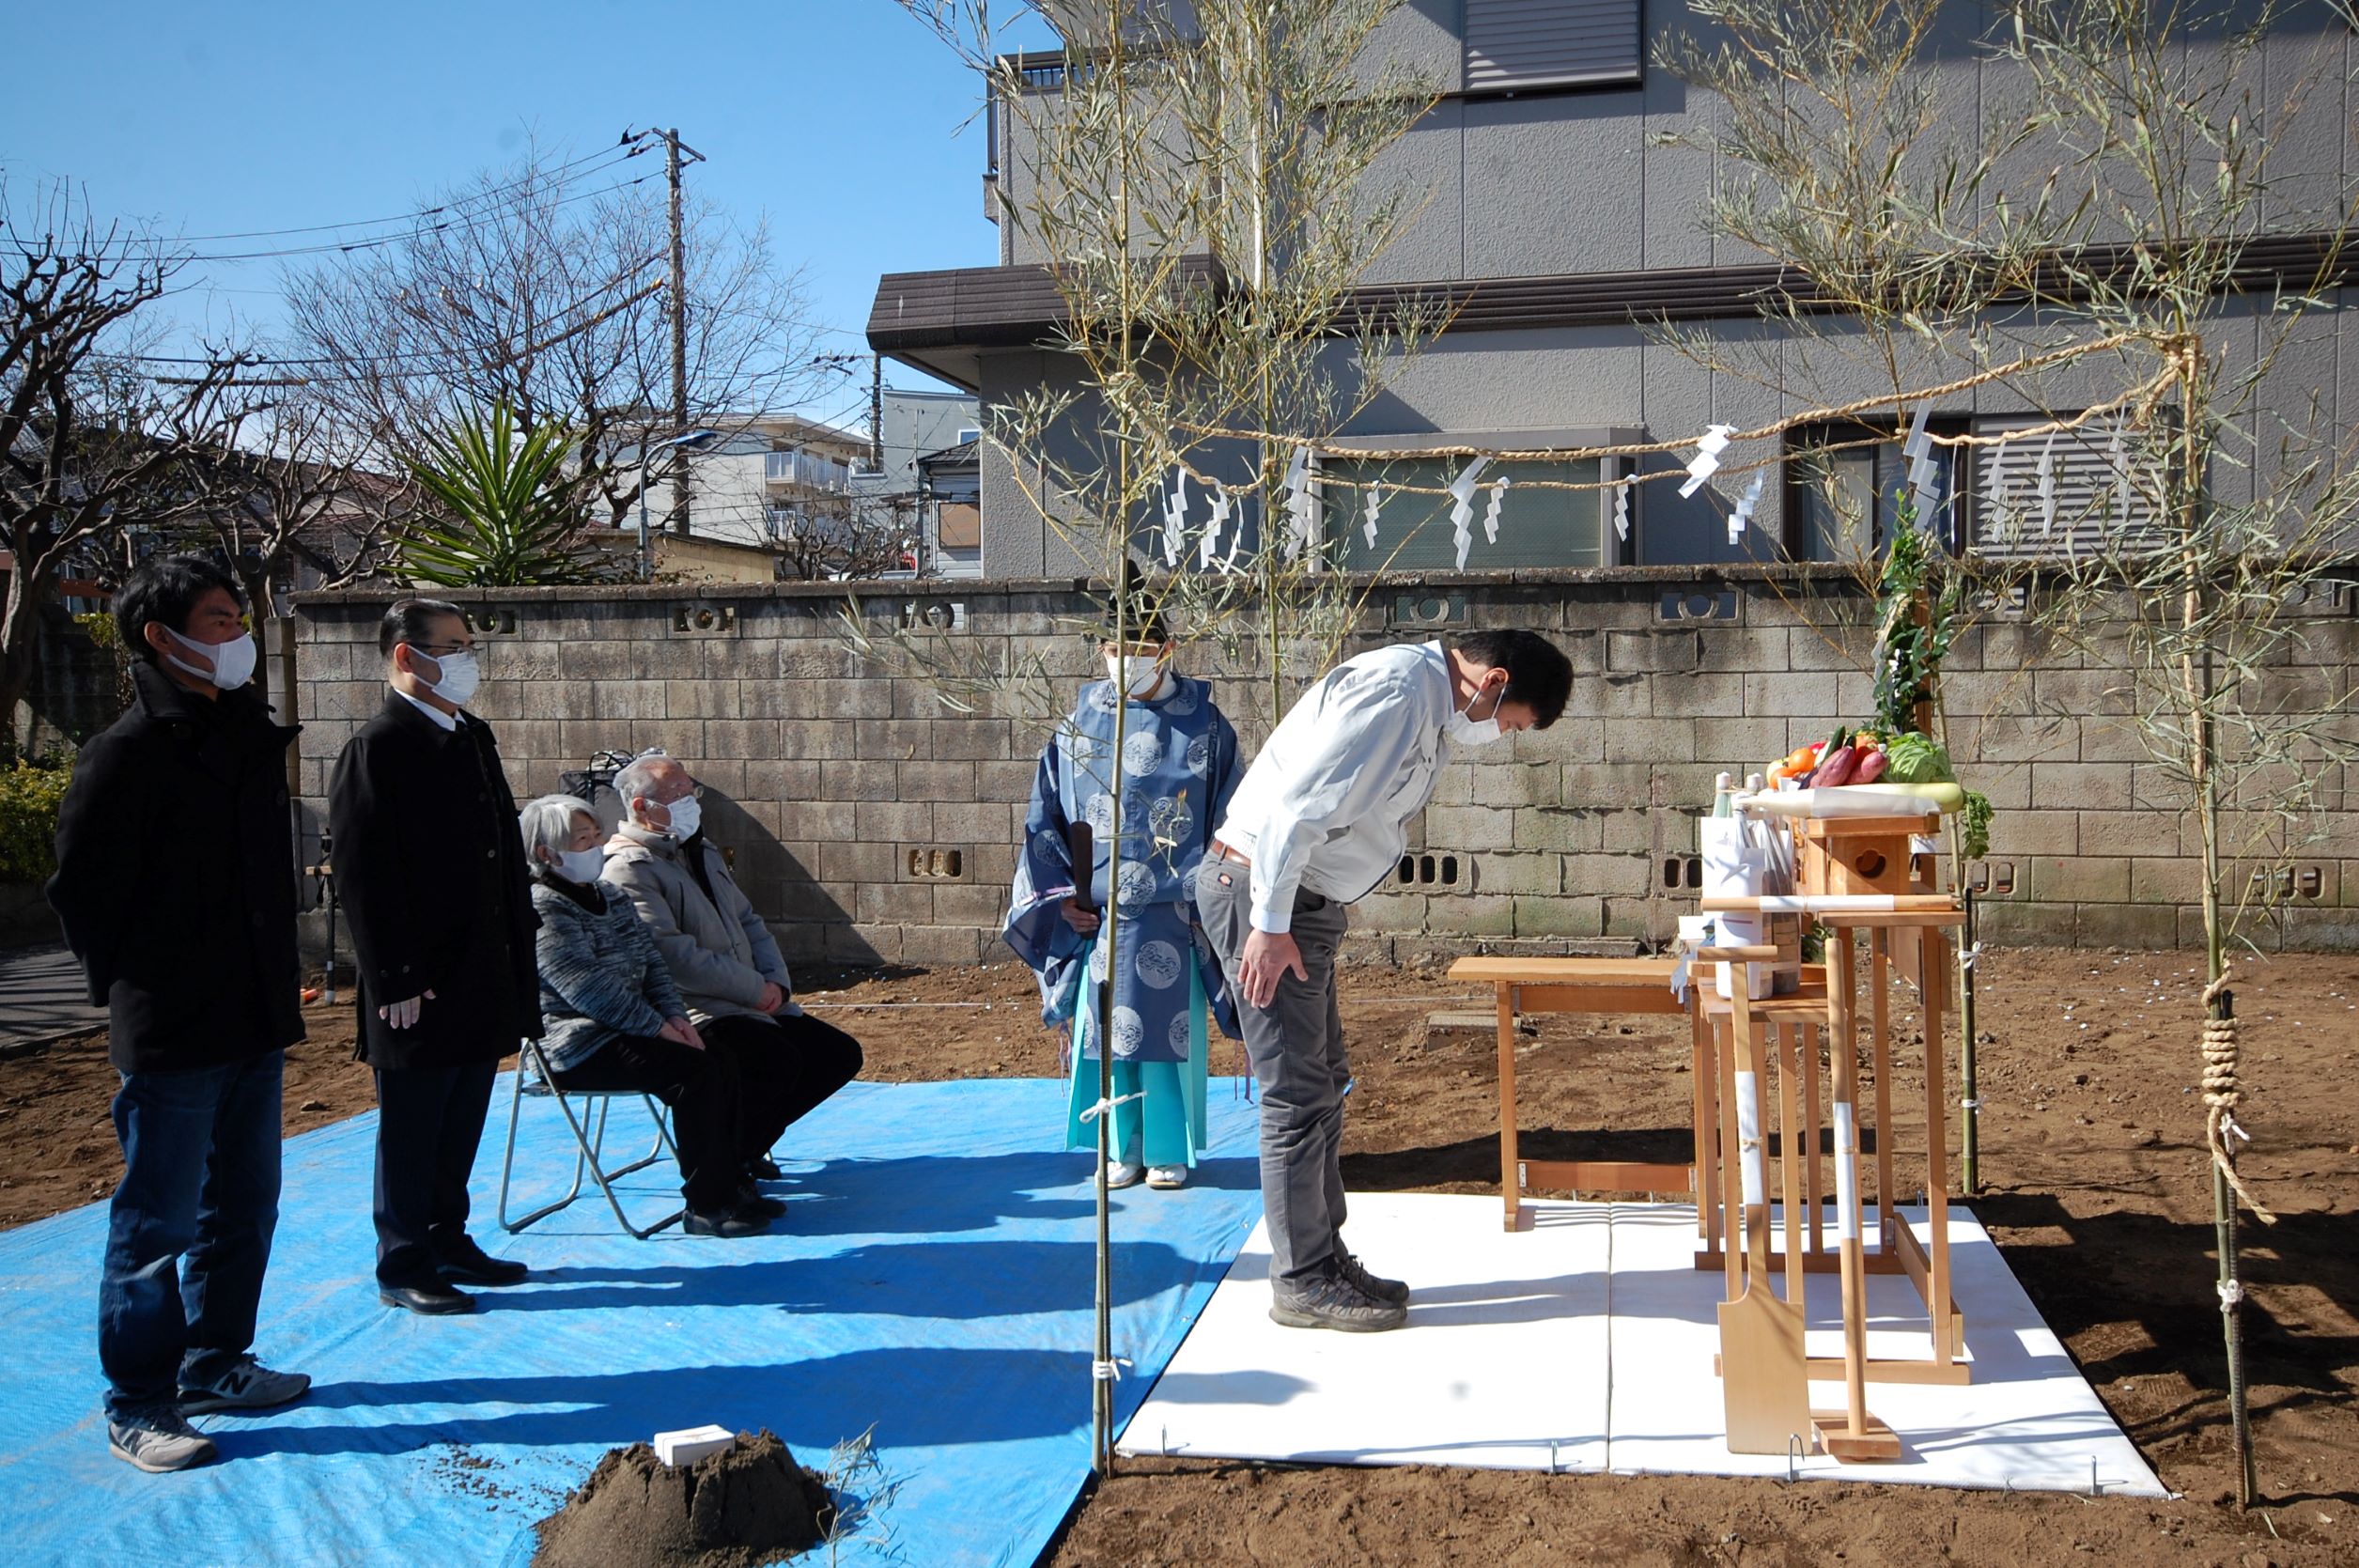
{"x": 845, "y": 785}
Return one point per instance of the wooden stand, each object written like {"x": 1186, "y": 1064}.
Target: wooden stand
{"x": 1596, "y": 986}
{"x": 1853, "y": 861}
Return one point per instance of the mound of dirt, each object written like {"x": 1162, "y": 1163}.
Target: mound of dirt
{"x": 746, "y": 1505}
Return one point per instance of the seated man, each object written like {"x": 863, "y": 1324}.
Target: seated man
{"x": 723, "y": 958}
{"x": 613, "y": 1019}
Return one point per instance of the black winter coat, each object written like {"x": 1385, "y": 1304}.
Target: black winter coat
{"x": 430, "y": 871}
{"x": 176, "y": 878}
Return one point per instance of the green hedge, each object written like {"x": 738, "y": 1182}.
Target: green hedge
{"x": 29, "y": 796}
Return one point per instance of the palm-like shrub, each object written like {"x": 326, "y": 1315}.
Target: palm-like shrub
{"x": 507, "y": 516}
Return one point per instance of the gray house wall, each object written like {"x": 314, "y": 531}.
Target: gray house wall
{"x": 1596, "y": 378}
{"x": 826, "y": 770}
{"x": 1572, "y": 181}
{"x": 1557, "y": 183}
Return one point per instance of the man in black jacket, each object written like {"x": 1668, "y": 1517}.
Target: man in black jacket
{"x": 431, "y": 873}
{"x": 176, "y": 885}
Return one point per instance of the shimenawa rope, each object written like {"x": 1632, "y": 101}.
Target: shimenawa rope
{"x": 2222, "y": 1094}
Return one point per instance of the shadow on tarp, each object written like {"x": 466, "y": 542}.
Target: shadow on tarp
{"x": 441, "y": 1440}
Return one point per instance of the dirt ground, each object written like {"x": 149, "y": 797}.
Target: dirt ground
{"x": 2093, "y": 1181}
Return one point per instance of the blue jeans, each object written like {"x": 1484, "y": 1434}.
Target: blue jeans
{"x": 201, "y": 1178}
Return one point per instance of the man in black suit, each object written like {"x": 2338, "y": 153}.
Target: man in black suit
{"x": 431, "y": 873}
{"x": 175, "y": 884}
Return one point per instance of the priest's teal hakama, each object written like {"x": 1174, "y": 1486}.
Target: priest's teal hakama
{"x": 1177, "y": 767}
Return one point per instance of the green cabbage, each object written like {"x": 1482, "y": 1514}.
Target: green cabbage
{"x": 1917, "y": 759}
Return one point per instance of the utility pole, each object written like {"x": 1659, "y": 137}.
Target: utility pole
{"x": 673, "y": 165}
{"x": 877, "y": 412}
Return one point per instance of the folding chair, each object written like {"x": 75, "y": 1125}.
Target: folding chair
{"x": 535, "y": 1080}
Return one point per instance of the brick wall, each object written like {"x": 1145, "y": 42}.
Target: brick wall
{"x": 836, "y": 779}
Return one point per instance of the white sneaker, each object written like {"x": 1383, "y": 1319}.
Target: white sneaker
{"x": 1121, "y": 1172}
{"x": 1164, "y": 1178}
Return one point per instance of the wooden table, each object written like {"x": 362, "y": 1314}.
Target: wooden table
{"x": 1593, "y": 986}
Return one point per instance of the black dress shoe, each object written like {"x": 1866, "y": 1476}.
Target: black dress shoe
{"x": 764, "y": 1169}
{"x": 434, "y": 1297}
{"x": 752, "y": 1202}
{"x": 731, "y": 1222}
{"x": 466, "y": 1261}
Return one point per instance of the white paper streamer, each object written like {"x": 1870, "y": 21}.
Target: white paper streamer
{"x": 1622, "y": 509}
{"x": 1302, "y": 505}
{"x": 1707, "y": 458}
{"x": 1462, "y": 507}
{"x": 1917, "y": 445}
{"x": 1375, "y": 506}
{"x": 1491, "y": 513}
{"x": 1743, "y": 512}
{"x": 2043, "y": 476}
{"x": 1749, "y": 1139}
{"x": 1211, "y": 529}
{"x": 1175, "y": 519}
{"x": 1846, "y": 1171}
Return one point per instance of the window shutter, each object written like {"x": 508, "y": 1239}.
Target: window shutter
{"x": 2066, "y": 494}
{"x": 1535, "y": 43}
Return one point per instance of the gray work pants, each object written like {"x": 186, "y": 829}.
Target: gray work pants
{"x": 1295, "y": 1047}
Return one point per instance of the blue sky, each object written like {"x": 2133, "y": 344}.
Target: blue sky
{"x": 843, "y": 120}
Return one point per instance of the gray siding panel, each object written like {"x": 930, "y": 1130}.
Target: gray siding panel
{"x": 1523, "y": 43}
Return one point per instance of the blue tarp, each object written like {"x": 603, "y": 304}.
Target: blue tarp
{"x": 931, "y": 1280}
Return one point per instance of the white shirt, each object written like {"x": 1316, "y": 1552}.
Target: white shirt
{"x": 1326, "y": 804}
{"x": 428, "y": 708}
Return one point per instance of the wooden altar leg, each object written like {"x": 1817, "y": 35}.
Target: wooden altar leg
{"x": 1732, "y": 1162}
{"x": 1705, "y": 1163}
{"x": 1765, "y": 1384}
{"x": 1789, "y": 1156}
{"x": 1851, "y": 1433}
{"x": 1511, "y": 1186}
{"x": 1814, "y": 1191}
{"x": 1880, "y": 1062}
{"x": 1937, "y": 1152}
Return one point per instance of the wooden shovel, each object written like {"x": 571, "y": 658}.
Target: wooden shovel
{"x": 1762, "y": 1384}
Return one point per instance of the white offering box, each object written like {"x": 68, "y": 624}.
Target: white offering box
{"x": 687, "y": 1447}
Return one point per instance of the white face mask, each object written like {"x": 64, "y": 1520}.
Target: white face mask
{"x": 687, "y": 815}
{"x": 461, "y": 676}
{"x": 582, "y": 865}
{"x": 233, "y": 660}
{"x": 1137, "y": 674}
{"x": 1468, "y": 731}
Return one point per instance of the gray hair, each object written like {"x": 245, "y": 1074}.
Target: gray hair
{"x": 639, "y": 777}
{"x": 548, "y": 824}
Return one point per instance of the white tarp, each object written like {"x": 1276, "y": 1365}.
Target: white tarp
{"x": 1586, "y": 1342}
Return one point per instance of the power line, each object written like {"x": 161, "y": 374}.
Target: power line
{"x": 276, "y": 360}
{"x": 635, "y": 149}
{"x": 374, "y": 241}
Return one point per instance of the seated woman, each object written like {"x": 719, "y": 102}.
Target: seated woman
{"x": 614, "y": 1018}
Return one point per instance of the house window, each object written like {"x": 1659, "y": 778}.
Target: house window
{"x": 1519, "y": 45}
{"x": 2041, "y": 495}
{"x": 959, "y": 526}
{"x": 966, "y": 434}
{"x": 1846, "y": 487}
{"x": 1537, "y": 526}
